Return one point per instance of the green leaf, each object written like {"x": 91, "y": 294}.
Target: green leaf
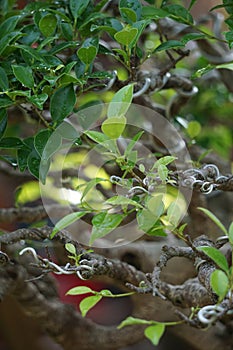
{"x": 230, "y": 233}
{"x": 33, "y": 163}
{"x": 24, "y": 75}
{"x": 14, "y": 94}
{"x": 48, "y": 25}
{"x": 153, "y": 12}
{"x": 121, "y": 102}
{"x": 131, "y": 321}
{"x": 4, "y": 85}
{"x": 11, "y": 142}
{"x": 22, "y": 156}
{"x": 70, "y": 248}
{"x": 88, "y": 303}
{"x": 103, "y": 223}
{"x": 132, "y": 143}
{"x": 113, "y": 127}
{"x": 67, "y": 30}
{"x": 140, "y": 26}
{"x": 7, "y": 39}
{"x": 3, "y": 122}
{"x": 5, "y": 102}
{"x": 126, "y": 36}
{"x": 79, "y": 290}
{"x": 38, "y": 100}
{"x": 62, "y": 102}
{"x": 67, "y": 131}
{"x": 78, "y": 7}
{"x": 92, "y": 183}
{"x": 215, "y": 255}
{"x": 121, "y": 200}
{"x": 192, "y": 2}
{"x": 130, "y": 10}
{"x": 219, "y": 283}
{"x": 41, "y": 139}
{"x": 214, "y": 219}
{"x": 192, "y": 36}
{"x": 155, "y": 332}
{"x": 97, "y": 136}
{"x": 52, "y": 145}
{"x": 167, "y": 45}
{"x": 65, "y": 79}
{"x": 179, "y": 13}
{"x": 193, "y": 129}
{"x": 103, "y": 140}
{"x": 8, "y": 25}
{"x": 66, "y": 221}
{"x": 88, "y": 50}
{"x": 30, "y": 55}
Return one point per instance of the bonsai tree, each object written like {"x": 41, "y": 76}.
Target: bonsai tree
{"x": 116, "y": 129}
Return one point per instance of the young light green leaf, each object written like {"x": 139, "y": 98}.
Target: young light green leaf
{"x": 121, "y": 200}
{"x": 193, "y": 129}
{"x": 48, "y": 25}
{"x": 121, "y": 102}
{"x": 174, "y": 214}
{"x": 225, "y": 65}
{"x": 66, "y": 221}
{"x": 24, "y": 75}
{"x": 155, "y": 205}
{"x": 219, "y": 283}
{"x": 155, "y": 332}
{"x": 214, "y": 219}
{"x": 147, "y": 222}
{"x": 106, "y": 293}
{"x": 130, "y": 321}
{"x": 70, "y": 248}
{"x": 79, "y": 290}
{"x": 162, "y": 172}
{"x": 164, "y": 161}
{"x": 215, "y": 255}
{"x": 103, "y": 223}
{"x": 88, "y": 303}
{"x": 87, "y": 52}
{"x": 113, "y": 127}
{"x": 230, "y": 233}
{"x": 126, "y": 36}
{"x": 103, "y": 140}
{"x": 62, "y": 102}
